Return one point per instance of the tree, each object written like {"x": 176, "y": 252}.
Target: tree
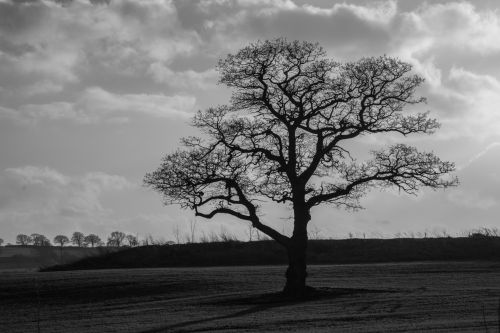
{"x": 132, "y": 240}
{"x": 92, "y": 240}
{"x": 40, "y": 240}
{"x": 61, "y": 240}
{"x": 78, "y": 238}
{"x": 285, "y": 137}
{"x": 177, "y": 233}
{"x": 23, "y": 239}
{"x": 191, "y": 237}
{"x": 116, "y": 238}
{"x": 1, "y": 242}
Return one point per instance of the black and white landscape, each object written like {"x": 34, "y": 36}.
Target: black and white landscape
{"x": 181, "y": 166}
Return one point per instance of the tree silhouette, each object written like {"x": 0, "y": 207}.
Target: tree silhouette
{"x": 39, "y": 240}
{"x": 92, "y": 239}
{"x": 61, "y": 240}
{"x": 132, "y": 240}
{"x": 285, "y": 137}
{"x": 116, "y": 238}
{"x": 1, "y": 241}
{"x": 23, "y": 239}
{"x": 78, "y": 238}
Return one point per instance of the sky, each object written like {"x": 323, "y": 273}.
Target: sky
{"x": 94, "y": 93}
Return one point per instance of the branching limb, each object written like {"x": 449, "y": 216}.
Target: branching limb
{"x": 400, "y": 166}
{"x": 209, "y": 182}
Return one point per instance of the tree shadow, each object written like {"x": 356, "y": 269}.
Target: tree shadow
{"x": 266, "y": 301}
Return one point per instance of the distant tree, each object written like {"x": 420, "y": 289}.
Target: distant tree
{"x": 191, "y": 238}
{"x": 132, "y": 240}
{"x": 92, "y": 240}
{"x": 61, "y": 240}
{"x": 78, "y": 239}
{"x": 148, "y": 240}
{"x": 1, "y": 242}
{"x": 177, "y": 233}
{"x": 116, "y": 238}
{"x": 40, "y": 240}
{"x": 285, "y": 137}
{"x": 23, "y": 239}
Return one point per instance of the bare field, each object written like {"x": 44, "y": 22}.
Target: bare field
{"x": 404, "y": 297}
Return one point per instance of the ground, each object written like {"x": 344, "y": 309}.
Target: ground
{"x": 403, "y": 297}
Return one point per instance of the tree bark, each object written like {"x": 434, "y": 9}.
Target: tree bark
{"x": 296, "y": 273}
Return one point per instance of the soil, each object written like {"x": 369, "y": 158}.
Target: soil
{"x": 402, "y": 297}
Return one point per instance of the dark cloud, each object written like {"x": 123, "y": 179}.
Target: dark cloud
{"x": 341, "y": 31}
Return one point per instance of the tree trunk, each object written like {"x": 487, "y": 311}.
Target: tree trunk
{"x": 297, "y": 251}
{"x": 296, "y": 272}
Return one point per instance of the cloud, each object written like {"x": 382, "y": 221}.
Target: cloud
{"x": 48, "y": 48}
{"x": 468, "y": 104}
{"x": 43, "y": 189}
{"x": 96, "y": 104}
{"x": 122, "y": 60}
{"x": 45, "y": 200}
{"x": 42, "y": 198}
{"x": 460, "y": 25}
{"x": 45, "y": 41}
{"x": 186, "y": 79}
{"x": 480, "y": 180}
{"x": 31, "y": 175}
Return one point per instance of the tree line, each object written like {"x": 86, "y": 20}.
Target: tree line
{"x": 116, "y": 239}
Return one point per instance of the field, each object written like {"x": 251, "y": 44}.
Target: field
{"x": 402, "y": 297}
{"x": 33, "y": 257}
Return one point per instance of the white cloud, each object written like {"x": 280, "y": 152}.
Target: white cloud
{"x": 96, "y": 104}
{"x": 99, "y": 101}
{"x": 460, "y": 25}
{"x": 31, "y": 175}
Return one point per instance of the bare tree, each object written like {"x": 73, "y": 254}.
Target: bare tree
{"x": 39, "y": 240}
{"x": 116, "y": 238}
{"x": 284, "y": 137}
{"x": 192, "y": 231}
{"x": 92, "y": 240}
{"x": 204, "y": 238}
{"x": 61, "y": 240}
{"x": 225, "y": 236}
{"x": 177, "y": 233}
{"x": 213, "y": 237}
{"x": 148, "y": 240}
{"x": 23, "y": 239}
{"x": 78, "y": 239}
{"x": 314, "y": 232}
{"x": 132, "y": 240}
{"x": 249, "y": 232}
